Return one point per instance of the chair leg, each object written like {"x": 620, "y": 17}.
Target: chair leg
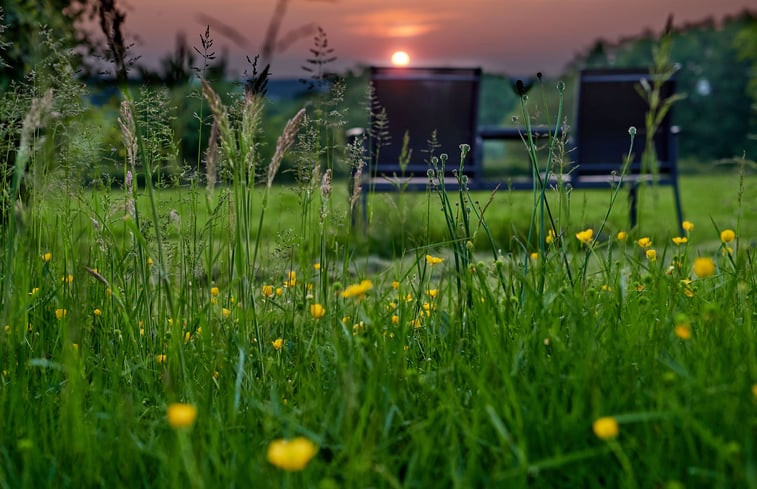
{"x": 633, "y": 201}
{"x": 679, "y": 210}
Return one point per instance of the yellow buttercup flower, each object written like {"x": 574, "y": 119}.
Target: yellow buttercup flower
{"x": 606, "y": 428}
{"x": 651, "y": 254}
{"x": 644, "y": 242}
{"x": 60, "y": 313}
{"x": 727, "y": 235}
{"x": 585, "y": 236}
{"x": 432, "y": 293}
{"x": 278, "y": 343}
{"x": 704, "y": 267}
{"x": 46, "y": 257}
{"x": 181, "y": 415}
{"x": 679, "y": 240}
{"x": 226, "y": 312}
{"x": 67, "y": 279}
{"x": 395, "y": 285}
{"x": 534, "y": 256}
{"x": 683, "y": 331}
{"x": 160, "y": 358}
{"x": 357, "y": 290}
{"x": 292, "y": 455}
{"x": 317, "y": 311}
{"x": 279, "y": 291}
{"x": 687, "y": 226}
{"x": 150, "y": 262}
{"x": 550, "y": 236}
{"x": 433, "y": 260}
{"x": 316, "y": 266}
{"x": 395, "y": 319}
{"x": 622, "y": 236}
{"x": 214, "y": 291}
{"x": 267, "y": 290}
{"x": 291, "y": 280}
{"x": 97, "y": 312}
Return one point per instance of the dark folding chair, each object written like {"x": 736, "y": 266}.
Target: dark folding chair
{"x": 420, "y": 101}
{"x": 608, "y": 104}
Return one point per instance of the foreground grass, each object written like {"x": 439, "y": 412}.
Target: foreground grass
{"x": 490, "y": 375}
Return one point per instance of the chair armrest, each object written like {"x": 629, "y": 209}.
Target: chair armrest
{"x": 495, "y": 132}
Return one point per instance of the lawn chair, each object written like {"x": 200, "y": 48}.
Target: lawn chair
{"x": 419, "y": 101}
{"x": 608, "y": 104}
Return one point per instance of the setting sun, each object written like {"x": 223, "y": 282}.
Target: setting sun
{"x": 400, "y": 58}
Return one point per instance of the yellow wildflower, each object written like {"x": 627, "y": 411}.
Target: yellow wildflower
{"x": 395, "y": 319}
{"x": 395, "y": 285}
{"x": 226, "y": 312}
{"x": 727, "y": 235}
{"x": 279, "y": 291}
{"x": 409, "y": 297}
{"x": 67, "y": 279}
{"x": 622, "y": 236}
{"x": 160, "y": 358}
{"x": 605, "y": 428}
{"x": 60, "y": 313}
{"x": 644, "y": 242}
{"x": 687, "y": 226}
{"x": 585, "y": 236}
{"x": 415, "y": 323}
{"x": 651, "y": 254}
{"x": 683, "y": 331}
{"x": 433, "y": 260}
{"x": 704, "y": 267}
{"x": 292, "y": 455}
{"x": 46, "y": 257}
{"x": 727, "y": 250}
{"x": 97, "y": 312}
{"x": 150, "y": 262}
{"x": 317, "y": 311}
{"x": 357, "y": 290}
{"x": 535, "y": 256}
{"x": 316, "y": 266}
{"x": 187, "y": 337}
{"x": 550, "y": 236}
{"x": 679, "y": 240}
{"x": 278, "y": 343}
{"x": 292, "y": 280}
{"x": 34, "y": 291}
{"x": 181, "y": 415}
{"x": 267, "y": 290}
{"x": 214, "y": 291}
{"x": 432, "y": 293}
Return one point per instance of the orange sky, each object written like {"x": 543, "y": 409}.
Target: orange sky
{"x": 503, "y": 36}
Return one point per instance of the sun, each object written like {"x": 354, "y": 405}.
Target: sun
{"x": 400, "y": 58}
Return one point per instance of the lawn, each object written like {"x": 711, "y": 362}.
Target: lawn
{"x": 258, "y": 336}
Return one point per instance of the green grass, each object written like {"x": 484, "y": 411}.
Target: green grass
{"x": 471, "y": 353}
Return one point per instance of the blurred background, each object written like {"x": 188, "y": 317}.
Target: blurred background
{"x": 170, "y": 45}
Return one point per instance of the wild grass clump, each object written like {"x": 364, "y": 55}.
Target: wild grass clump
{"x": 182, "y": 345}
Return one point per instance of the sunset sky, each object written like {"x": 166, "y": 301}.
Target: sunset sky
{"x": 502, "y": 36}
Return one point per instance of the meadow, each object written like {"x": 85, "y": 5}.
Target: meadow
{"x": 221, "y": 329}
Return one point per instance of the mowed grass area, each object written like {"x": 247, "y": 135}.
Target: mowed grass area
{"x": 398, "y": 222}
{"x": 173, "y": 349}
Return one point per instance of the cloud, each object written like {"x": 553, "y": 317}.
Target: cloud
{"x": 393, "y": 23}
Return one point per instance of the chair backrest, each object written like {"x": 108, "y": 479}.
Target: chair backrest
{"x": 608, "y": 104}
{"x": 419, "y": 101}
